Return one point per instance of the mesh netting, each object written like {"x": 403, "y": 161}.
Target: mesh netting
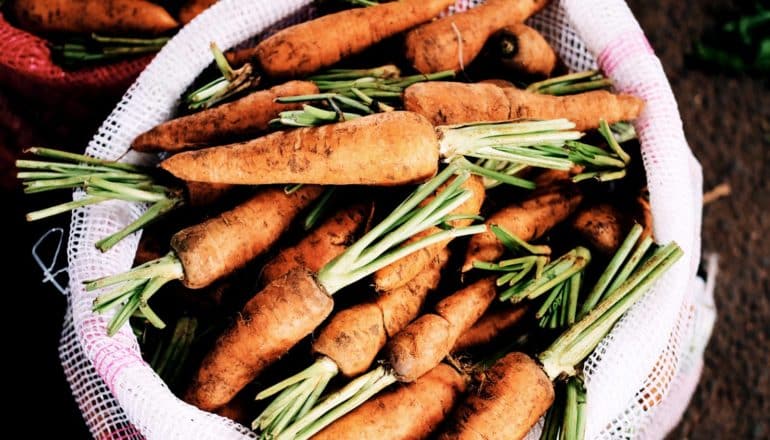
{"x": 640, "y": 377}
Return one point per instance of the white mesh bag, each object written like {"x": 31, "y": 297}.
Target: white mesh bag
{"x": 639, "y": 379}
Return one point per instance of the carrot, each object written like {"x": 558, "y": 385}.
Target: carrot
{"x": 307, "y": 47}
{"x": 403, "y": 270}
{"x": 208, "y": 251}
{"x": 490, "y": 325}
{"x": 517, "y": 391}
{"x": 457, "y": 103}
{"x": 522, "y": 49}
{"x": 246, "y": 116}
{"x": 644, "y": 215}
{"x": 290, "y": 307}
{"x": 136, "y": 17}
{"x": 347, "y": 345}
{"x": 602, "y": 225}
{"x": 320, "y": 246}
{"x": 526, "y": 220}
{"x": 402, "y": 150}
{"x": 452, "y": 42}
{"x": 205, "y": 252}
{"x": 191, "y": 8}
{"x": 410, "y": 411}
{"x": 495, "y": 410}
{"x": 428, "y": 339}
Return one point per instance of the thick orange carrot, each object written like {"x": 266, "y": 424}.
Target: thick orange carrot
{"x": 527, "y": 220}
{"x": 455, "y": 40}
{"x": 602, "y": 225}
{"x": 191, "y": 8}
{"x": 490, "y": 325}
{"x": 246, "y": 116}
{"x": 224, "y": 243}
{"x": 644, "y": 216}
{"x": 371, "y": 150}
{"x": 409, "y": 412}
{"x": 110, "y": 17}
{"x": 446, "y": 103}
{"x": 399, "y": 273}
{"x": 354, "y": 336}
{"x": 513, "y": 396}
{"x": 428, "y": 339}
{"x": 320, "y": 246}
{"x": 291, "y": 307}
{"x": 307, "y": 47}
{"x": 522, "y": 49}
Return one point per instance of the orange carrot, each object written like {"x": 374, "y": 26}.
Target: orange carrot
{"x": 307, "y": 47}
{"x": 526, "y": 220}
{"x": 490, "y": 325}
{"x": 225, "y": 243}
{"x": 602, "y": 225}
{"x": 411, "y": 411}
{"x": 455, "y": 40}
{"x": 494, "y": 411}
{"x": 291, "y": 307}
{"x": 355, "y": 335}
{"x": 191, "y": 8}
{"x": 320, "y": 246}
{"x": 351, "y": 152}
{"x": 446, "y": 103}
{"x": 522, "y": 49}
{"x": 111, "y": 17}
{"x": 399, "y": 273}
{"x": 246, "y": 116}
{"x": 423, "y": 343}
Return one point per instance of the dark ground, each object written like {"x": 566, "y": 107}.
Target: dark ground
{"x": 727, "y": 121}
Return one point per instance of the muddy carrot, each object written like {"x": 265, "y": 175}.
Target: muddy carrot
{"x": 452, "y": 42}
{"x": 244, "y": 117}
{"x": 521, "y": 49}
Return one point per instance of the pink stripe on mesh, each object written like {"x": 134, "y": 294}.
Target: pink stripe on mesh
{"x": 624, "y": 46}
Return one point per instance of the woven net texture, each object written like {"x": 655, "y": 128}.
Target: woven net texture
{"x": 639, "y": 379}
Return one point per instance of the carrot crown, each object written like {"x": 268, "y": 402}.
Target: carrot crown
{"x": 78, "y": 51}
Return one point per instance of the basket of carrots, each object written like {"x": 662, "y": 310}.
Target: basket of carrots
{"x": 410, "y": 219}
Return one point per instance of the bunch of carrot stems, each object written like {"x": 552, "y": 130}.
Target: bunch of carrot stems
{"x": 101, "y": 180}
{"x": 94, "y": 48}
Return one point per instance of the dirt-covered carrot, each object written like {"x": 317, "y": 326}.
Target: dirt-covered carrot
{"x": 320, "y": 246}
{"x": 520, "y": 49}
{"x": 308, "y": 47}
{"x": 410, "y": 411}
{"x": 205, "y": 252}
{"x": 246, "y": 116}
{"x": 400, "y": 272}
{"x": 517, "y": 391}
{"x": 448, "y": 103}
{"x": 290, "y": 307}
{"x": 390, "y": 148}
{"x": 191, "y": 8}
{"x": 603, "y": 225}
{"x": 454, "y": 41}
{"x": 527, "y": 220}
{"x": 401, "y": 150}
{"x": 490, "y": 325}
{"x": 111, "y": 17}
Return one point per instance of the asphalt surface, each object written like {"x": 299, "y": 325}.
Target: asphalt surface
{"x": 727, "y": 122}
